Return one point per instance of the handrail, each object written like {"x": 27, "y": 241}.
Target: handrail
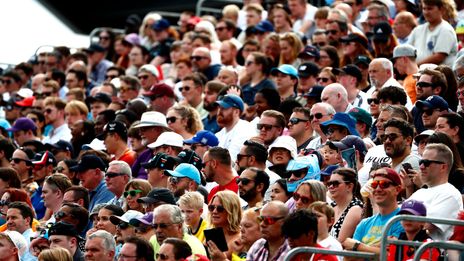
{"x": 356, "y": 254}
{"x": 437, "y": 244}
{"x": 385, "y": 241}
{"x": 200, "y": 8}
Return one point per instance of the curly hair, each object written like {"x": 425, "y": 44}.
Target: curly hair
{"x": 194, "y": 123}
{"x": 231, "y": 203}
{"x": 297, "y": 45}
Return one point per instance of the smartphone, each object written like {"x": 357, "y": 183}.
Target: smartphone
{"x": 407, "y": 167}
{"x": 217, "y": 236}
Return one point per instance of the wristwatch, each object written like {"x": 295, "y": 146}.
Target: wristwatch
{"x": 356, "y": 245}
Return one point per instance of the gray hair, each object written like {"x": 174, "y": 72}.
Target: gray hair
{"x": 174, "y": 212}
{"x": 386, "y": 64}
{"x": 458, "y": 63}
{"x": 108, "y": 241}
{"x": 123, "y": 167}
{"x": 329, "y": 109}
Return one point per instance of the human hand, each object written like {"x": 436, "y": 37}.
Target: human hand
{"x": 348, "y": 244}
{"x": 38, "y": 245}
{"x": 234, "y": 90}
{"x": 214, "y": 252}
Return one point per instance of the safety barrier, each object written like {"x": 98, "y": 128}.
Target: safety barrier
{"x": 344, "y": 253}
{"x": 385, "y": 241}
{"x": 437, "y": 244}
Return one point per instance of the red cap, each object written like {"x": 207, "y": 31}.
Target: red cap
{"x": 160, "y": 90}
{"x": 392, "y": 175}
{"x": 26, "y": 102}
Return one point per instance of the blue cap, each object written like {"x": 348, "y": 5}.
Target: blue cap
{"x": 329, "y": 169}
{"x": 341, "y": 119}
{"x": 204, "y": 137}
{"x": 413, "y": 207}
{"x": 231, "y": 100}
{"x": 161, "y": 25}
{"x": 95, "y": 48}
{"x": 186, "y": 170}
{"x": 433, "y": 102}
{"x": 264, "y": 26}
{"x": 285, "y": 69}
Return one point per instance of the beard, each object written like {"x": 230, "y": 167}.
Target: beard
{"x": 249, "y": 195}
{"x": 209, "y": 106}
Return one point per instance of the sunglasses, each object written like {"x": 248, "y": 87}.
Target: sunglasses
{"x": 162, "y": 225}
{"x": 143, "y": 229}
{"x": 322, "y": 79}
{"x": 185, "y": 88}
{"x": 241, "y": 156}
{"x": 123, "y": 225}
{"x": 244, "y": 181}
{"x": 391, "y": 137}
{"x": 111, "y": 77}
{"x": 197, "y": 58}
{"x": 218, "y": 208}
{"x": 174, "y": 180}
{"x": 171, "y": 119}
{"x": 427, "y": 162}
{"x": 268, "y": 220}
{"x": 295, "y": 121}
{"x": 110, "y": 175}
{"x": 143, "y": 77}
{"x": 304, "y": 200}
{"x": 429, "y": 112}
{"x": 298, "y": 173}
{"x": 321, "y": 44}
{"x": 335, "y": 183}
{"x": 332, "y": 130}
{"x": 6, "y": 81}
{"x": 18, "y": 160}
{"x": 331, "y": 31}
{"x": 460, "y": 93}
{"x": 4, "y": 203}
{"x": 267, "y": 127}
{"x": 161, "y": 256}
{"x": 383, "y": 184}
{"x": 316, "y": 115}
{"x": 61, "y": 214}
{"x": 132, "y": 193}
{"x": 424, "y": 84}
{"x": 373, "y": 100}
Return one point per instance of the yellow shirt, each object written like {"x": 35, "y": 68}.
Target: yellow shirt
{"x": 200, "y": 234}
{"x": 194, "y": 243}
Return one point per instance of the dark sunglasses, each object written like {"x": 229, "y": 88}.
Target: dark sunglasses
{"x": 61, "y": 214}
{"x": 391, "y": 137}
{"x": 335, "y": 183}
{"x": 162, "y": 225}
{"x": 132, "y": 193}
{"x": 4, "y": 203}
{"x": 171, "y": 119}
{"x": 244, "y": 181}
{"x": 424, "y": 84}
{"x": 268, "y": 220}
{"x": 111, "y": 77}
{"x": 322, "y": 79}
{"x": 185, "y": 88}
{"x": 18, "y": 160}
{"x": 123, "y": 225}
{"x": 110, "y": 175}
{"x": 142, "y": 229}
{"x": 267, "y": 127}
{"x": 298, "y": 173}
{"x": 161, "y": 256}
{"x": 304, "y": 200}
{"x": 295, "y": 121}
{"x": 6, "y": 81}
{"x": 383, "y": 184}
{"x": 197, "y": 58}
{"x": 321, "y": 44}
{"x": 331, "y": 31}
{"x": 316, "y": 115}
{"x": 144, "y": 77}
{"x": 218, "y": 208}
{"x": 373, "y": 100}
{"x": 241, "y": 156}
{"x": 459, "y": 93}
{"x": 427, "y": 162}
{"x": 429, "y": 112}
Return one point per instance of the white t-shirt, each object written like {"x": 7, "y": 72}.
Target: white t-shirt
{"x": 331, "y": 243}
{"x": 61, "y": 133}
{"x": 233, "y": 140}
{"x": 375, "y": 154}
{"x": 309, "y": 15}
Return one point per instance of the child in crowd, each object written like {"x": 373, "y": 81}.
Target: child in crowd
{"x": 191, "y": 205}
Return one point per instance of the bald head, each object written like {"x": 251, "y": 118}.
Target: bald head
{"x": 335, "y": 94}
{"x": 201, "y": 51}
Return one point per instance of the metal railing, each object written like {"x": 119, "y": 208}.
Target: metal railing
{"x": 437, "y": 244}
{"x": 385, "y": 241}
{"x": 201, "y": 8}
{"x": 344, "y": 253}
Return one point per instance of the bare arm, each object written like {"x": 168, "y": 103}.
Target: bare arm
{"x": 435, "y": 58}
{"x": 352, "y": 219}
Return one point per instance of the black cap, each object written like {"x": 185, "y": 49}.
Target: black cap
{"x": 114, "y": 127}
{"x": 158, "y": 195}
{"x": 382, "y": 32}
{"x": 190, "y": 157}
{"x": 315, "y": 92}
{"x": 35, "y": 143}
{"x": 44, "y": 158}
{"x": 349, "y": 69}
{"x": 61, "y": 145}
{"x": 354, "y": 38}
{"x": 310, "y": 50}
{"x": 308, "y": 69}
{"x": 161, "y": 160}
{"x": 87, "y": 162}
{"x": 63, "y": 229}
{"x": 362, "y": 59}
{"x": 95, "y": 48}
{"x": 99, "y": 97}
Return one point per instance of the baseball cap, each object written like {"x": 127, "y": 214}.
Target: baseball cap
{"x": 362, "y": 59}
{"x": 132, "y": 38}
{"x": 26, "y": 102}
{"x": 61, "y": 145}
{"x": 150, "y": 68}
{"x": 146, "y": 219}
{"x": 95, "y": 48}
{"x": 23, "y": 124}
{"x": 168, "y": 138}
{"x": 158, "y": 195}
{"x": 404, "y": 50}
{"x": 413, "y": 207}
{"x": 285, "y": 69}
{"x": 160, "y": 90}
{"x": 423, "y": 135}
{"x": 99, "y": 97}
{"x": 88, "y": 162}
{"x": 433, "y": 102}
{"x": 161, "y": 25}
{"x": 63, "y": 229}
{"x": 315, "y": 91}
{"x": 382, "y": 32}
{"x": 25, "y": 93}
{"x": 361, "y": 115}
{"x": 341, "y": 119}
{"x": 354, "y": 38}
{"x": 308, "y": 69}
{"x": 151, "y": 119}
{"x": 204, "y": 137}
{"x": 298, "y": 163}
{"x": 113, "y": 127}
{"x": 310, "y": 50}
{"x": 392, "y": 175}
{"x": 264, "y": 26}
{"x": 231, "y": 100}
{"x": 351, "y": 141}
{"x": 18, "y": 240}
{"x": 190, "y": 157}
{"x": 327, "y": 171}
{"x": 126, "y": 217}
{"x": 160, "y": 160}
{"x": 186, "y": 170}
{"x": 349, "y": 69}
{"x": 44, "y": 158}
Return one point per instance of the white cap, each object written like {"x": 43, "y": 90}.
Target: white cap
{"x": 152, "y": 119}
{"x": 25, "y": 92}
{"x": 168, "y": 138}
{"x": 126, "y": 217}
{"x": 285, "y": 142}
{"x": 18, "y": 240}
{"x": 151, "y": 69}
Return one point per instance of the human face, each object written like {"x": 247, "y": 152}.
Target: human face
{"x": 227, "y": 77}
{"x": 225, "y": 117}
{"x": 208, "y": 170}
{"x": 430, "y": 117}
{"x": 149, "y": 134}
{"x": 128, "y": 252}
{"x": 166, "y": 253}
{"x": 271, "y": 232}
{"x": 227, "y": 54}
{"x": 176, "y": 122}
{"x": 432, "y": 13}
{"x": 385, "y": 196}
{"x": 279, "y": 19}
{"x": 336, "y": 133}
{"x": 132, "y": 200}
{"x": 423, "y": 91}
{"x": 96, "y": 108}
{"x": 20, "y": 164}
{"x": 443, "y": 126}
{"x": 460, "y": 95}
{"x": 243, "y": 160}
{"x": 396, "y": 145}
{"x": 252, "y": 18}
{"x": 155, "y": 176}
{"x": 400, "y": 27}
{"x": 324, "y": 61}
{"x": 299, "y": 128}
{"x": 384, "y": 116}
{"x": 269, "y": 135}
{"x": 316, "y": 111}
{"x": 60, "y": 241}
{"x": 271, "y": 48}
{"x": 39, "y": 172}
{"x": 320, "y": 40}
{"x": 51, "y": 114}
{"x": 218, "y": 218}
{"x": 378, "y": 74}
{"x": 94, "y": 250}
{"x": 278, "y": 193}
{"x": 333, "y": 33}
{"x": 331, "y": 157}
{"x": 122, "y": 234}
{"x": 209, "y": 98}
{"x": 261, "y": 103}
{"x": 66, "y": 216}
{"x": 182, "y": 70}
{"x": 286, "y": 50}
{"x": 190, "y": 90}
{"x": 15, "y": 221}
{"x": 7, "y": 249}
{"x": 126, "y": 92}
{"x": 337, "y": 187}
{"x": 50, "y": 197}
{"x": 431, "y": 175}
{"x": 303, "y": 193}
{"x": 323, "y": 223}
{"x": 147, "y": 80}
{"x": 280, "y": 156}
{"x": 136, "y": 57}
{"x": 89, "y": 179}
{"x": 71, "y": 81}
{"x": 247, "y": 185}
{"x": 5, "y": 198}
{"x": 116, "y": 184}
{"x": 191, "y": 215}
{"x": 72, "y": 117}
{"x": 330, "y": 97}
{"x": 103, "y": 221}
{"x": 249, "y": 229}
{"x": 178, "y": 186}
{"x": 349, "y": 48}
{"x": 247, "y": 49}
{"x": 374, "y": 105}
{"x": 221, "y": 31}
{"x": 201, "y": 60}
{"x": 170, "y": 230}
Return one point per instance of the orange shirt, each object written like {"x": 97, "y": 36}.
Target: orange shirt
{"x": 409, "y": 86}
{"x": 129, "y": 157}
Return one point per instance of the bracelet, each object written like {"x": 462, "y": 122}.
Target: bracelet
{"x": 356, "y": 245}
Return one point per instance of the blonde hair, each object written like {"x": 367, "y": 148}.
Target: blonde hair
{"x": 317, "y": 189}
{"x": 55, "y": 254}
{"x": 194, "y": 123}
{"x": 192, "y": 199}
{"x": 76, "y": 106}
{"x": 295, "y": 42}
{"x": 231, "y": 203}
{"x": 324, "y": 208}
{"x": 231, "y": 10}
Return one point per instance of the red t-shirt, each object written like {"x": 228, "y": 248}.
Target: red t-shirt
{"x": 315, "y": 257}
{"x": 129, "y": 157}
{"x": 232, "y": 185}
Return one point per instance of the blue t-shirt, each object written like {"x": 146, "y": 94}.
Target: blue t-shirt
{"x": 369, "y": 230}
{"x": 249, "y": 92}
{"x": 38, "y": 203}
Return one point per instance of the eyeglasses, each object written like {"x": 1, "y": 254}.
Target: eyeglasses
{"x": 61, "y": 214}
{"x": 142, "y": 229}
{"x": 6, "y": 81}
{"x": 391, "y": 136}
{"x": 220, "y": 29}
{"x": 48, "y": 111}
{"x": 429, "y": 112}
{"x": 174, "y": 180}
{"x": 267, "y": 127}
{"x": 331, "y": 130}
{"x": 335, "y": 183}
{"x": 383, "y": 184}
{"x": 110, "y": 175}
{"x": 316, "y": 115}
{"x": 185, "y": 88}
{"x": 322, "y": 79}
{"x": 331, "y": 32}
{"x": 143, "y": 77}
{"x": 460, "y": 93}
{"x": 162, "y": 225}
{"x": 197, "y": 58}
{"x": 424, "y": 84}
{"x": 218, "y": 208}
{"x": 161, "y": 256}
{"x": 268, "y": 220}
{"x": 297, "y": 173}
{"x": 304, "y": 199}
{"x": 4, "y": 203}
{"x": 171, "y": 119}
{"x": 427, "y": 162}
{"x": 18, "y": 160}
{"x": 320, "y": 44}
{"x": 373, "y": 100}
{"x": 132, "y": 193}
{"x": 244, "y": 181}
{"x": 241, "y": 156}
{"x": 123, "y": 225}
{"x": 295, "y": 121}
